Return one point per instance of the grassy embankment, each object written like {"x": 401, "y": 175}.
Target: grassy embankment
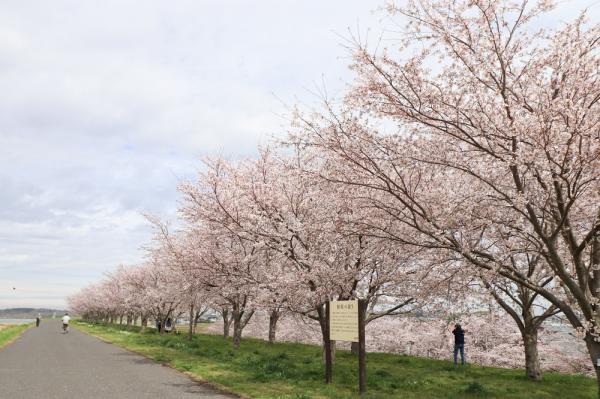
{"x": 10, "y": 333}
{"x": 294, "y": 371}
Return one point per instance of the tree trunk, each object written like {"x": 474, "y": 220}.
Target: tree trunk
{"x": 128, "y": 320}
{"x": 191, "y": 326}
{"x": 598, "y": 380}
{"x": 532, "y": 360}
{"x": 237, "y": 333}
{"x": 196, "y": 317}
{"x": 121, "y": 319}
{"x": 240, "y": 319}
{"x": 323, "y": 312}
{"x": 163, "y": 323}
{"x": 226, "y": 323}
{"x": 273, "y": 318}
{"x": 362, "y": 351}
{"x": 528, "y": 325}
{"x": 144, "y": 324}
{"x": 593, "y": 348}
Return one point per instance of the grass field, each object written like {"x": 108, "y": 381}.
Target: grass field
{"x": 10, "y": 333}
{"x": 295, "y": 371}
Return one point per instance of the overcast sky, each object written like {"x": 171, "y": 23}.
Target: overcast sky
{"x": 106, "y": 105}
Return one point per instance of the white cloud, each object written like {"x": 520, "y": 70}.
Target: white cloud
{"x": 106, "y": 105}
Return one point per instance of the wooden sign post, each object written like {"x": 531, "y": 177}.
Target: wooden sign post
{"x": 347, "y": 323}
{"x": 362, "y": 361}
{"x": 328, "y": 359}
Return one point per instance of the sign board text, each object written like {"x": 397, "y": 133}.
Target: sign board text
{"x": 343, "y": 321}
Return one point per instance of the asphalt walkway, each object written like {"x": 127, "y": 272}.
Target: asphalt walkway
{"x": 44, "y": 363}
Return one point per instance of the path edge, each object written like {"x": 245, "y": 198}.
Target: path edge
{"x": 16, "y": 337}
{"x": 190, "y": 375}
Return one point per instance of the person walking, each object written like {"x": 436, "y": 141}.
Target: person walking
{"x": 65, "y": 322}
{"x": 38, "y": 319}
{"x": 459, "y": 344}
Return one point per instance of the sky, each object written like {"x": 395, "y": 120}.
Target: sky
{"x": 106, "y": 105}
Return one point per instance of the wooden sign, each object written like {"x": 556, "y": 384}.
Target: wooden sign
{"x": 343, "y": 321}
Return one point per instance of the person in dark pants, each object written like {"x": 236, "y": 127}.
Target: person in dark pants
{"x": 37, "y": 320}
{"x": 459, "y": 344}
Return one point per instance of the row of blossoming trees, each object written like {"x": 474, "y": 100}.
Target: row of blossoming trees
{"x": 463, "y": 162}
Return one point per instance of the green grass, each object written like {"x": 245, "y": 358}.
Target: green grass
{"x": 9, "y": 334}
{"x": 295, "y": 371}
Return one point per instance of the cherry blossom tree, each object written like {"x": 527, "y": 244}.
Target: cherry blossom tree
{"x": 227, "y": 258}
{"x": 499, "y": 142}
{"x": 135, "y": 284}
{"x": 307, "y": 222}
{"x": 178, "y": 251}
{"x": 525, "y": 306}
{"x": 487, "y": 184}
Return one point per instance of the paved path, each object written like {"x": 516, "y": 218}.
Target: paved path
{"x": 44, "y": 363}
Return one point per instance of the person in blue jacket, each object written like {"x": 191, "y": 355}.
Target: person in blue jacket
{"x": 459, "y": 344}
